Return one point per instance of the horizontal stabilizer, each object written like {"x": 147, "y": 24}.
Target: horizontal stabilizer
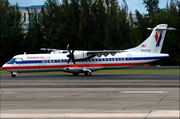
{"x": 170, "y": 28}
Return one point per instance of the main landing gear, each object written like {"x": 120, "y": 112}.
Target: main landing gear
{"x": 86, "y": 73}
{"x": 75, "y": 74}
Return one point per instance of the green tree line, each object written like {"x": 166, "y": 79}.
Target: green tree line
{"x": 86, "y": 25}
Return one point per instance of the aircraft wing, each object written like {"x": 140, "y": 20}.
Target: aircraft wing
{"x": 104, "y": 52}
{"x": 49, "y": 50}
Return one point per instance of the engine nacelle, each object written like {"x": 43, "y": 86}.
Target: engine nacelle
{"x": 80, "y": 55}
{"x": 72, "y": 69}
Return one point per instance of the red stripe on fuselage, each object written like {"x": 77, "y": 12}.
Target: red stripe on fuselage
{"x": 70, "y": 66}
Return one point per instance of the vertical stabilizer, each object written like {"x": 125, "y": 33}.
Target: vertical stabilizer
{"x": 154, "y": 43}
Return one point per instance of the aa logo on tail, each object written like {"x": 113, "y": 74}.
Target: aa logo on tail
{"x": 158, "y": 39}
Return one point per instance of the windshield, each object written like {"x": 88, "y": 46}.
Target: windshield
{"x": 16, "y": 59}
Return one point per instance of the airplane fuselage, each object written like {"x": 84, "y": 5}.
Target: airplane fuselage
{"x": 58, "y": 62}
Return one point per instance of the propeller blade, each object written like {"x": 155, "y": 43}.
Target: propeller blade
{"x": 70, "y": 55}
{"x": 68, "y": 60}
{"x": 73, "y": 60}
{"x": 68, "y": 49}
{"x": 73, "y": 52}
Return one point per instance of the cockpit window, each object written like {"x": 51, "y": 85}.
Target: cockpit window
{"x": 13, "y": 59}
{"x": 16, "y": 59}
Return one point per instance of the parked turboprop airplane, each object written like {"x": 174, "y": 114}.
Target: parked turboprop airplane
{"x": 88, "y": 61}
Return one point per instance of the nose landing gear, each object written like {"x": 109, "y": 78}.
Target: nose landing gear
{"x": 13, "y": 74}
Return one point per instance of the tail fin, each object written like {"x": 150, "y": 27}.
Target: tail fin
{"x": 154, "y": 43}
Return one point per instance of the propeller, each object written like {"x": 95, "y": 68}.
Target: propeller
{"x": 70, "y": 55}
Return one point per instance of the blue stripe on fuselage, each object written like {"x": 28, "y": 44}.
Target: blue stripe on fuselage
{"x": 25, "y": 62}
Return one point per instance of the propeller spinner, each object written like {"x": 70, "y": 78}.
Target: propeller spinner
{"x": 70, "y": 55}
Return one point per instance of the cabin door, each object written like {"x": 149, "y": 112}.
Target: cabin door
{"x": 130, "y": 59}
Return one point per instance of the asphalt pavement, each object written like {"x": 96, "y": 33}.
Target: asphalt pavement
{"x": 137, "y": 96}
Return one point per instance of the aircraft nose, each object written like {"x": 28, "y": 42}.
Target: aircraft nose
{"x": 3, "y": 66}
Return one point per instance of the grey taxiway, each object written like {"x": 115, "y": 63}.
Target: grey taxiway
{"x": 141, "y": 96}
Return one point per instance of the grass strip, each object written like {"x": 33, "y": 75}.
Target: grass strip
{"x": 140, "y": 71}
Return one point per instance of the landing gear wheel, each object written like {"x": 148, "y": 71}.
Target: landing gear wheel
{"x": 13, "y": 75}
{"x": 87, "y": 73}
{"x": 75, "y": 74}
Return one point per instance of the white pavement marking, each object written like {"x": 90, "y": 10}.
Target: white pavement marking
{"x": 155, "y": 113}
{"x": 8, "y": 92}
{"x": 143, "y": 91}
{"x": 74, "y": 115}
{"x": 164, "y": 113}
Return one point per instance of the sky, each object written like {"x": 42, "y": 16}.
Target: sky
{"x": 132, "y": 4}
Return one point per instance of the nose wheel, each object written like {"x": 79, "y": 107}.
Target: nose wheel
{"x": 13, "y": 74}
